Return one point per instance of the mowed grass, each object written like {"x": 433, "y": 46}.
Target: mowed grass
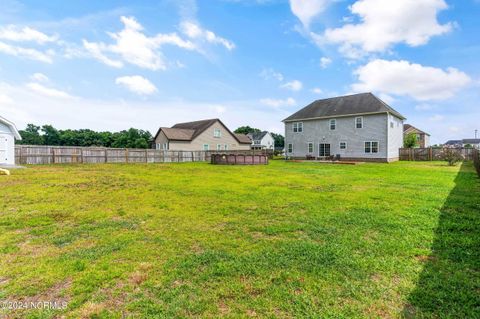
{"x": 278, "y": 241}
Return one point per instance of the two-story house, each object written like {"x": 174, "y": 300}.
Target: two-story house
{"x": 205, "y": 135}
{"x": 358, "y": 127}
{"x": 262, "y": 140}
{"x": 423, "y": 138}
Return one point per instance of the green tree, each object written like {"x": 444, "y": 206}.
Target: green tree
{"x": 279, "y": 140}
{"x": 246, "y": 130}
{"x": 468, "y": 146}
{"x": 51, "y": 136}
{"x": 31, "y": 135}
{"x": 410, "y": 141}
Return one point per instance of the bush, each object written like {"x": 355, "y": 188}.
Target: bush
{"x": 451, "y": 156}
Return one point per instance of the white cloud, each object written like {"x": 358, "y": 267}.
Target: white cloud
{"x": 276, "y": 103}
{"x": 194, "y": 31}
{"x": 27, "y": 53}
{"x": 17, "y": 34}
{"x": 307, "y": 10}
{"x": 49, "y": 92}
{"x": 134, "y": 47}
{"x": 414, "y": 80}
{"x": 5, "y": 99}
{"x": 39, "y": 77}
{"x": 270, "y": 73}
{"x": 436, "y": 118}
{"x": 424, "y": 107}
{"x": 317, "y": 91}
{"x": 325, "y": 62}
{"x": 386, "y": 23}
{"x": 294, "y": 85}
{"x": 116, "y": 114}
{"x": 137, "y": 84}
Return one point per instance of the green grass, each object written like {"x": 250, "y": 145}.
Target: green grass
{"x": 283, "y": 240}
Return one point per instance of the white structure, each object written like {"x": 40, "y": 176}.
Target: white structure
{"x": 358, "y": 127}
{"x": 262, "y": 140}
{"x": 8, "y": 134}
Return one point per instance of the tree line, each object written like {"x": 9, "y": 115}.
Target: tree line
{"x": 131, "y": 138}
{"x": 48, "y": 135}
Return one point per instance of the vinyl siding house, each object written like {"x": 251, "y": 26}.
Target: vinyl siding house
{"x": 358, "y": 127}
{"x": 422, "y": 137}
{"x": 205, "y": 135}
{"x": 262, "y": 140}
{"x": 8, "y": 135}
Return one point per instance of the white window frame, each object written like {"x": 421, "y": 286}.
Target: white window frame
{"x": 165, "y": 146}
{"x": 371, "y": 147}
{"x": 290, "y": 148}
{"x": 361, "y": 122}
{"x": 334, "y": 121}
{"x": 206, "y": 147}
{"x": 308, "y": 148}
{"x": 217, "y": 133}
{"x": 297, "y": 127}
{"x": 340, "y": 146}
{"x": 219, "y": 147}
{"x": 226, "y": 147}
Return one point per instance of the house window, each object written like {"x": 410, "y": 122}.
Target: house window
{"x": 290, "y": 148}
{"x": 298, "y": 127}
{"x": 391, "y": 124}
{"x": 165, "y": 146}
{"x": 333, "y": 124}
{"x": 219, "y": 147}
{"x": 217, "y": 133}
{"x": 310, "y": 147}
{"x": 359, "y": 122}
{"x": 157, "y": 146}
{"x": 371, "y": 147}
{"x": 343, "y": 145}
{"x": 206, "y": 147}
{"x": 226, "y": 147}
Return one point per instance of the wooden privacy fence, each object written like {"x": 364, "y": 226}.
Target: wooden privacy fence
{"x": 431, "y": 154}
{"x": 35, "y": 154}
{"x": 476, "y": 160}
{"x": 239, "y": 159}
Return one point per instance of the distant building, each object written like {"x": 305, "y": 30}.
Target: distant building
{"x": 205, "y": 135}
{"x": 8, "y": 135}
{"x": 262, "y": 140}
{"x": 474, "y": 142}
{"x": 422, "y": 137}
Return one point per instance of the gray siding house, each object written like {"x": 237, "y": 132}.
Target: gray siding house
{"x": 358, "y": 127}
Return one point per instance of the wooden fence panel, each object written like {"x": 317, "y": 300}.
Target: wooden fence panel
{"x": 430, "y": 154}
{"x": 39, "y": 154}
{"x": 476, "y": 160}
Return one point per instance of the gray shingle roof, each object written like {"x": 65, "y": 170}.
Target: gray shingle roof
{"x": 362, "y": 103}
{"x": 407, "y": 127}
{"x": 471, "y": 141}
{"x": 257, "y": 136}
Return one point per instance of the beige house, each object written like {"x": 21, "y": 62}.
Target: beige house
{"x": 205, "y": 135}
{"x": 422, "y": 137}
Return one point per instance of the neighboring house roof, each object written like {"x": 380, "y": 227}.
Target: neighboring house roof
{"x": 242, "y": 138}
{"x": 12, "y": 127}
{"x": 363, "y": 103}
{"x": 257, "y": 136}
{"x": 453, "y": 142}
{"x": 471, "y": 141}
{"x": 188, "y": 131}
{"x": 408, "y": 127}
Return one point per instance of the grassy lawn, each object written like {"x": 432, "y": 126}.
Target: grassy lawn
{"x": 283, "y": 240}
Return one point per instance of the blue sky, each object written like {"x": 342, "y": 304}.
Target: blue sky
{"x": 111, "y": 65}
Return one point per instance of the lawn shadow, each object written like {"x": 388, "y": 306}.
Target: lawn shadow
{"x": 449, "y": 285}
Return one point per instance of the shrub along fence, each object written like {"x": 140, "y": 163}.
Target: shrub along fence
{"x": 476, "y": 160}
{"x": 431, "y": 154}
{"x": 36, "y": 154}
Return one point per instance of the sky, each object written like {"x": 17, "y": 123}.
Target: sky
{"x": 112, "y": 65}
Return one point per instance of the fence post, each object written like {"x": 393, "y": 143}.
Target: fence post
{"x": 146, "y": 155}
{"x": 106, "y": 155}
{"x": 430, "y": 153}
{"x": 126, "y": 155}
{"x": 53, "y": 155}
